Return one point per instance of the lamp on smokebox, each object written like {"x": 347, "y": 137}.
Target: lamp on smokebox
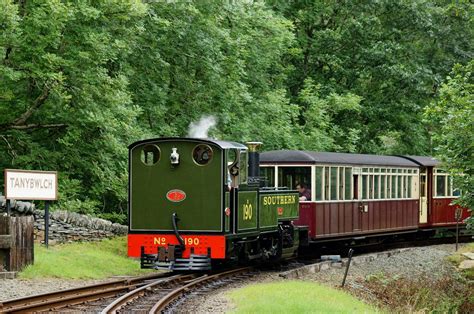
{"x": 174, "y": 157}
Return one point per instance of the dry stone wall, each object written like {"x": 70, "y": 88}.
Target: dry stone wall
{"x": 66, "y": 227}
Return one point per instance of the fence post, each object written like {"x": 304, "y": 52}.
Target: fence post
{"x": 351, "y": 251}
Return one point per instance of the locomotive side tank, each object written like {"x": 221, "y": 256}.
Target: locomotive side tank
{"x": 192, "y": 203}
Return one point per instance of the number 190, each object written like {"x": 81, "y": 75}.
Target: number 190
{"x": 191, "y": 241}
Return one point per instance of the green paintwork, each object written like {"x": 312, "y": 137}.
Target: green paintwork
{"x": 248, "y": 210}
{"x": 271, "y": 201}
{"x": 201, "y": 210}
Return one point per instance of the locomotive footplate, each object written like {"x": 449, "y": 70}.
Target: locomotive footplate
{"x": 170, "y": 259}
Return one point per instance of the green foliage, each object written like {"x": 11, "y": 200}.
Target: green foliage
{"x": 391, "y": 54}
{"x": 65, "y": 103}
{"x": 295, "y": 297}
{"x": 452, "y": 118}
{"x": 214, "y": 58}
{"x": 79, "y": 81}
{"x": 89, "y": 260}
{"x": 321, "y": 119}
{"x": 120, "y": 218}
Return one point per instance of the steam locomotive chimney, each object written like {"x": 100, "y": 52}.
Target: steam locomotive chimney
{"x": 254, "y": 162}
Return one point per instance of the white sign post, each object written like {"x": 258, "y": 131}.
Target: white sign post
{"x": 32, "y": 185}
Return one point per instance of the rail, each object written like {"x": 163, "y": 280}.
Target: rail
{"x": 178, "y": 292}
{"x": 126, "y": 298}
{"x": 58, "y": 299}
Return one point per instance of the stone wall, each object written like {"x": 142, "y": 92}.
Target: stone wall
{"x": 66, "y": 227}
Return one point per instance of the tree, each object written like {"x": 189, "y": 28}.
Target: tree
{"x": 452, "y": 117}
{"x": 64, "y": 99}
{"x": 215, "y": 59}
{"x": 391, "y": 54}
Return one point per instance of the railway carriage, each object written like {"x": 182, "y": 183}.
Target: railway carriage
{"x": 358, "y": 196}
{"x": 436, "y": 195}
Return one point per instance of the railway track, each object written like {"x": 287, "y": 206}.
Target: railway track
{"x": 152, "y": 293}
{"x": 69, "y": 297}
{"x": 161, "y": 295}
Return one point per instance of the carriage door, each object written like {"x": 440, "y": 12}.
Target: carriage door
{"x": 423, "y": 197}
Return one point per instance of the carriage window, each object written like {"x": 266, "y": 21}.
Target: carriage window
{"x": 383, "y": 180}
{"x": 268, "y": 173}
{"x": 405, "y": 186}
{"x": 441, "y": 185}
{"x": 399, "y": 187}
{"x": 389, "y": 186}
{"x": 409, "y": 186}
{"x": 333, "y": 183}
{"x": 450, "y": 185}
{"x": 394, "y": 187}
{"x": 371, "y": 187}
{"x": 326, "y": 183}
{"x": 319, "y": 183}
{"x": 348, "y": 180}
{"x": 364, "y": 187}
{"x": 150, "y": 155}
{"x": 376, "y": 187}
{"x": 290, "y": 176}
{"x": 341, "y": 183}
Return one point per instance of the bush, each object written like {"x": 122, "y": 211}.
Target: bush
{"x": 119, "y": 218}
{"x": 444, "y": 295}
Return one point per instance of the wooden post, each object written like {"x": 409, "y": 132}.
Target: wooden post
{"x": 351, "y": 251}
{"x": 16, "y": 242}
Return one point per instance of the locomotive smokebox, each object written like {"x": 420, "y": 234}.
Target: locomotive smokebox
{"x": 254, "y": 163}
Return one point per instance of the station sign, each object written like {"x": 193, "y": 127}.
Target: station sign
{"x": 31, "y": 185}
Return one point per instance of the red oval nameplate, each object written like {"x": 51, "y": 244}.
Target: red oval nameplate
{"x": 176, "y": 195}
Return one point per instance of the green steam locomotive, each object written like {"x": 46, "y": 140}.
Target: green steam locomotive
{"x": 195, "y": 203}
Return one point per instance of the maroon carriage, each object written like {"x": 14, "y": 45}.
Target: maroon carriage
{"x": 357, "y": 195}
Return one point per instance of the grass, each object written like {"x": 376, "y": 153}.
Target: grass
{"x": 457, "y": 258}
{"x": 295, "y": 297}
{"x": 86, "y": 260}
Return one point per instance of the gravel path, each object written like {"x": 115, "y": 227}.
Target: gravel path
{"x": 409, "y": 263}
{"x": 412, "y": 262}
{"x": 17, "y": 288}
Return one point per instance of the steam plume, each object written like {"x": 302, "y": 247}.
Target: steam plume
{"x": 200, "y": 128}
